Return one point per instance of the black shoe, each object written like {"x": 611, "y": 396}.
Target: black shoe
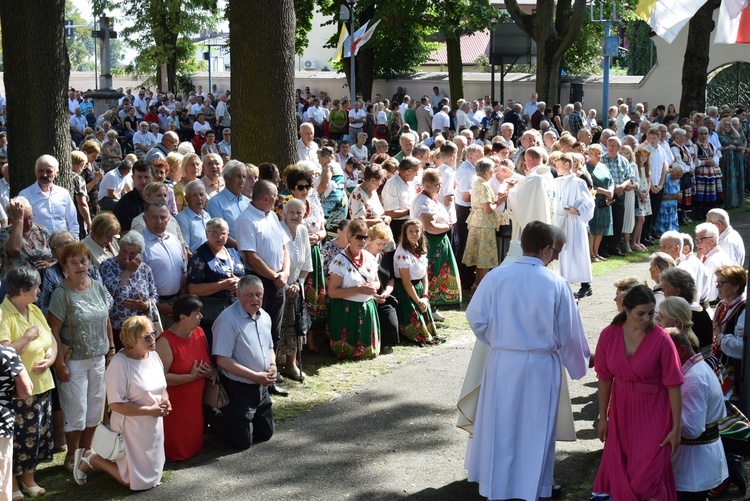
{"x": 737, "y": 475}
{"x": 277, "y": 390}
{"x": 647, "y": 242}
{"x": 616, "y": 253}
{"x": 584, "y": 291}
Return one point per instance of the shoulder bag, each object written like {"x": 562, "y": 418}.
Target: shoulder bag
{"x": 107, "y": 443}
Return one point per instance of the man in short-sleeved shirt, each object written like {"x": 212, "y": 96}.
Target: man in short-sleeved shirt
{"x": 264, "y": 244}
{"x": 53, "y": 208}
{"x": 230, "y": 202}
{"x": 245, "y": 355}
{"x": 399, "y": 192}
{"x": 193, "y": 218}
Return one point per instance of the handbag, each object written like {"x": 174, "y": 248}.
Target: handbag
{"x": 214, "y": 394}
{"x": 107, "y": 443}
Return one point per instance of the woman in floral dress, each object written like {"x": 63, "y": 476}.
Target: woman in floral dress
{"x": 415, "y": 319}
{"x": 642, "y": 171}
{"x": 481, "y": 244}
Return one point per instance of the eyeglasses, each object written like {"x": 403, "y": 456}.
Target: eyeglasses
{"x": 218, "y": 233}
{"x": 721, "y": 283}
{"x": 556, "y": 252}
{"x": 148, "y": 337}
{"x": 700, "y": 239}
{"x": 361, "y": 238}
{"x": 301, "y": 187}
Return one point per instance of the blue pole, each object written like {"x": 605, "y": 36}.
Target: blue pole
{"x": 605, "y": 89}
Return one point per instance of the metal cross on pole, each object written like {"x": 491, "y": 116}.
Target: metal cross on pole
{"x": 610, "y": 47}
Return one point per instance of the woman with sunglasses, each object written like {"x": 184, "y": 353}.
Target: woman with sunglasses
{"x": 78, "y": 316}
{"x": 353, "y": 324}
{"x": 300, "y": 184}
{"x": 137, "y": 395}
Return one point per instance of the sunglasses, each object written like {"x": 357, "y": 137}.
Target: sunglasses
{"x": 148, "y": 337}
{"x": 301, "y": 187}
{"x": 361, "y": 238}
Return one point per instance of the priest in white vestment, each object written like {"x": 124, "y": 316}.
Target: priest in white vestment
{"x": 528, "y": 316}
{"x": 533, "y": 198}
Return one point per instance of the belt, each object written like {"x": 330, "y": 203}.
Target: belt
{"x": 709, "y": 436}
{"x": 163, "y": 299}
{"x": 637, "y": 386}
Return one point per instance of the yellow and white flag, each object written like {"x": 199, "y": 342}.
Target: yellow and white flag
{"x": 668, "y": 17}
{"x": 342, "y": 36}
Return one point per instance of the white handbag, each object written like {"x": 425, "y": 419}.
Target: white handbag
{"x": 107, "y": 443}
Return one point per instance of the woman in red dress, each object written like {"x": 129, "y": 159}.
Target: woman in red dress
{"x": 640, "y": 404}
{"x": 184, "y": 352}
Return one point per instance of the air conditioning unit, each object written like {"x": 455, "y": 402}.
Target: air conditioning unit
{"x": 310, "y": 64}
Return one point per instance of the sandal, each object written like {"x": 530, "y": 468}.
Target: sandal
{"x": 34, "y": 491}
{"x": 17, "y": 496}
{"x": 78, "y": 475}
{"x": 69, "y": 462}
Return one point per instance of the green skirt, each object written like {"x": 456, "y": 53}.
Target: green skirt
{"x": 354, "y": 329}
{"x": 412, "y": 323}
{"x": 443, "y": 279}
{"x": 315, "y": 289}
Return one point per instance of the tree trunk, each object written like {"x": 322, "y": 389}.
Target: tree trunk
{"x": 695, "y": 66}
{"x": 455, "y": 69}
{"x": 263, "y": 72}
{"x": 365, "y": 74}
{"x": 547, "y": 75}
{"x": 37, "y": 71}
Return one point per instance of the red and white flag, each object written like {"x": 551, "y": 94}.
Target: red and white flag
{"x": 366, "y": 37}
{"x": 734, "y": 22}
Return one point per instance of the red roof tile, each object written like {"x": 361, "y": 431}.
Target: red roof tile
{"x": 472, "y": 46}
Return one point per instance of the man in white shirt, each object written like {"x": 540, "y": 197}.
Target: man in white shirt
{"x": 166, "y": 257}
{"x": 143, "y": 141}
{"x": 442, "y": 121}
{"x": 680, "y": 248}
{"x": 730, "y": 240}
{"x": 114, "y": 185}
{"x": 306, "y": 147}
{"x": 316, "y": 116}
{"x": 659, "y": 169}
{"x": 356, "y": 120}
{"x": 534, "y": 197}
{"x": 404, "y": 105}
{"x": 223, "y": 119}
{"x": 77, "y": 125}
{"x": 621, "y": 120}
{"x": 52, "y": 205}
{"x": 530, "y": 108}
{"x": 399, "y": 192}
{"x": 436, "y": 99}
{"x": 140, "y": 105}
{"x": 713, "y": 257}
{"x": 264, "y": 244}
{"x": 476, "y": 114}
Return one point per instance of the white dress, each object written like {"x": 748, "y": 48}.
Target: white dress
{"x": 533, "y": 199}
{"x": 144, "y": 458}
{"x": 628, "y": 221}
{"x": 575, "y": 265}
{"x": 512, "y": 453}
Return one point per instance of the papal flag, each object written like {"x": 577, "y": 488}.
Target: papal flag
{"x": 668, "y": 17}
{"x": 734, "y": 22}
{"x": 342, "y": 37}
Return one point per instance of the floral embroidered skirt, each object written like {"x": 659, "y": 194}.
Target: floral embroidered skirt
{"x": 354, "y": 329}
{"x": 412, "y": 323}
{"x": 315, "y": 289}
{"x": 443, "y": 279}
{"x": 32, "y": 441}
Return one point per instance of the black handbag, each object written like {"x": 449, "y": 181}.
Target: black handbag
{"x": 302, "y": 321}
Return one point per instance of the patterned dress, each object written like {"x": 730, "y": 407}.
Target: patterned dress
{"x": 601, "y": 223}
{"x": 315, "y": 284}
{"x": 708, "y": 191}
{"x": 481, "y": 244}
{"x": 353, "y": 324}
{"x": 444, "y": 281}
{"x": 667, "y": 217}
{"x": 643, "y": 208}
{"x": 334, "y": 201}
{"x": 412, "y": 323}
{"x": 732, "y": 171}
{"x": 35, "y": 248}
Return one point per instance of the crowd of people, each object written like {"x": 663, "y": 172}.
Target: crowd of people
{"x": 172, "y": 266}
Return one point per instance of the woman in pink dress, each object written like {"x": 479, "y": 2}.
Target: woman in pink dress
{"x": 640, "y": 404}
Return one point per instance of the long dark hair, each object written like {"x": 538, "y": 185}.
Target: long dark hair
{"x": 638, "y": 295}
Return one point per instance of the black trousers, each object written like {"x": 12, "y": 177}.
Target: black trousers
{"x": 462, "y": 231}
{"x": 692, "y": 496}
{"x": 649, "y": 223}
{"x": 248, "y": 418}
{"x": 618, "y": 218}
{"x": 273, "y": 304}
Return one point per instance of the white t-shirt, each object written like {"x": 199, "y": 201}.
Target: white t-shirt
{"x": 417, "y": 266}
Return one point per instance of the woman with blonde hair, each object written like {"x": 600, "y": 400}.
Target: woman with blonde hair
{"x": 111, "y": 151}
{"x": 92, "y": 174}
{"x": 80, "y": 193}
{"x": 731, "y": 163}
{"x": 101, "y": 241}
{"x": 137, "y": 395}
{"x": 192, "y": 167}
{"x": 643, "y": 188}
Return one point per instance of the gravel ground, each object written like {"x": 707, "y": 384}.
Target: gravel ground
{"x": 395, "y": 438}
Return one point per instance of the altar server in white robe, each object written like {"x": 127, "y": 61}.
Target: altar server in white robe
{"x": 528, "y": 316}
{"x": 574, "y": 209}
{"x": 533, "y": 198}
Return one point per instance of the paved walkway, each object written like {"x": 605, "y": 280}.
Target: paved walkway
{"x": 394, "y": 438}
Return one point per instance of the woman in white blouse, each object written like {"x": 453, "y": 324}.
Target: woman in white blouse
{"x": 415, "y": 319}
{"x": 300, "y": 265}
{"x": 364, "y": 202}
{"x": 101, "y": 241}
{"x": 359, "y": 150}
{"x": 353, "y": 324}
